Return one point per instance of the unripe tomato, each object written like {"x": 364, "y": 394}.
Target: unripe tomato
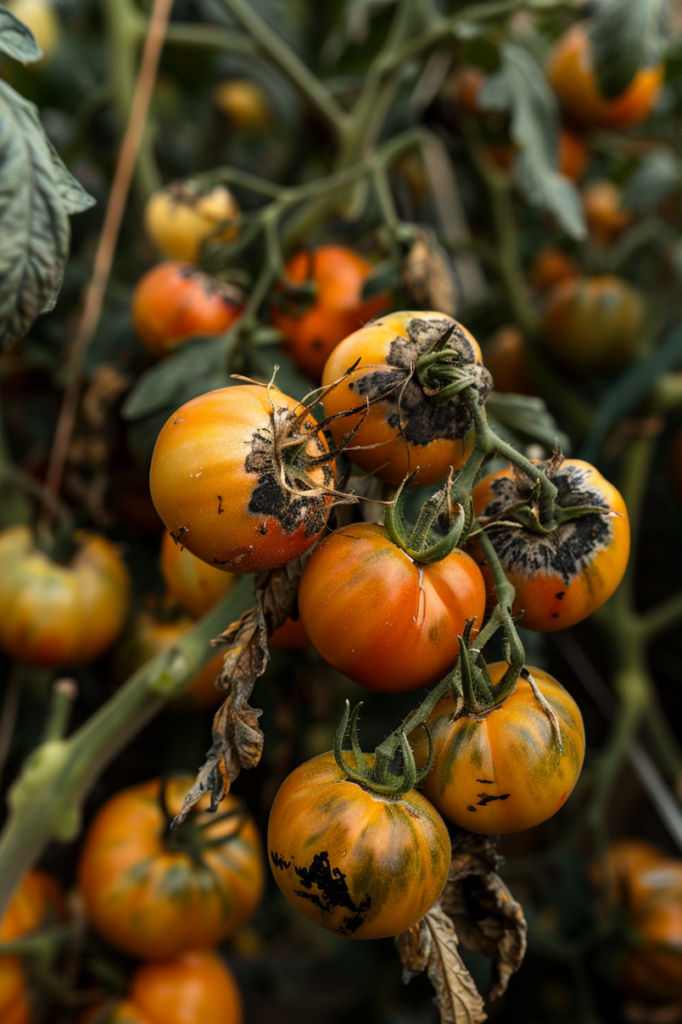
{"x": 360, "y": 864}
{"x": 573, "y": 153}
{"x": 606, "y": 217}
{"x": 42, "y": 19}
{"x": 174, "y": 302}
{"x": 243, "y": 103}
{"x": 196, "y": 585}
{"x": 506, "y": 358}
{"x": 593, "y": 325}
{"x": 562, "y": 577}
{"x": 572, "y": 76}
{"x": 180, "y": 219}
{"x": 383, "y": 621}
{"x": 550, "y": 267}
{"x": 194, "y": 988}
{"x": 403, "y": 430}
{"x": 154, "y": 893}
{"x": 504, "y": 770}
{"x": 216, "y": 478}
{"x": 53, "y": 615}
{"x": 338, "y": 275}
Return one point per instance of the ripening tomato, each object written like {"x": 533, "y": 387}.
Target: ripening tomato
{"x": 572, "y": 153}
{"x": 404, "y": 429}
{"x": 196, "y": 585}
{"x": 560, "y": 577}
{"x": 179, "y": 219}
{"x": 53, "y": 615}
{"x": 174, "y": 302}
{"x": 154, "y": 893}
{"x": 550, "y": 267}
{"x": 626, "y": 860}
{"x": 290, "y": 636}
{"x": 216, "y": 478}
{"x": 572, "y": 76}
{"x": 360, "y": 864}
{"x": 338, "y": 275}
{"x": 605, "y": 215}
{"x": 243, "y": 103}
{"x": 652, "y": 966}
{"x": 506, "y": 358}
{"x": 385, "y": 622}
{"x": 593, "y": 325}
{"x": 42, "y": 19}
{"x": 504, "y": 770}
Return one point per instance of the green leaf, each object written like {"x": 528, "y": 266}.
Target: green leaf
{"x": 520, "y": 87}
{"x": 16, "y": 39}
{"x": 167, "y": 382}
{"x": 626, "y": 35}
{"x": 526, "y": 419}
{"x": 34, "y": 227}
{"x": 73, "y": 196}
{"x": 656, "y": 177}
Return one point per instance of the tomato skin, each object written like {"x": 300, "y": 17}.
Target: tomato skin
{"x": 52, "y": 615}
{"x": 651, "y": 967}
{"x": 435, "y": 437}
{"x": 550, "y": 267}
{"x": 43, "y": 21}
{"x": 506, "y": 358}
{"x": 378, "y": 863}
{"x": 626, "y": 860}
{"x": 562, "y": 579}
{"x": 154, "y": 901}
{"x": 199, "y": 471}
{"x": 606, "y": 217}
{"x": 593, "y": 325}
{"x": 573, "y": 153}
{"x": 338, "y": 309}
{"x": 196, "y": 585}
{"x": 504, "y": 772}
{"x": 243, "y": 103}
{"x": 291, "y": 636}
{"x": 174, "y": 302}
{"x": 178, "y": 221}
{"x": 571, "y": 75}
{"x": 370, "y": 612}
{"x": 194, "y": 988}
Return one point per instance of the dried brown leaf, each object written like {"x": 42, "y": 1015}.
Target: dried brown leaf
{"x": 431, "y": 946}
{"x": 427, "y": 276}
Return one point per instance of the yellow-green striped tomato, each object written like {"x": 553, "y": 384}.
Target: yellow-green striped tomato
{"x": 360, "y": 864}
{"x": 506, "y": 770}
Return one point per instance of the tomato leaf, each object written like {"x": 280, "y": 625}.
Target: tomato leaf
{"x": 72, "y": 194}
{"x": 168, "y": 384}
{"x": 431, "y": 946}
{"x": 521, "y": 87}
{"x": 486, "y": 916}
{"x": 428, "y": 278}
{"x": 527, "y": 419}
{"x": 626, "y": 35}
{"x": 657, "y": 176}
{"x": 17, "y": 40}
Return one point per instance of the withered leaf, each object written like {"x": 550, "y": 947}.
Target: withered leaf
{"x": 431, "y": 946}
{"x": 486, "y": 916}
{"x": 427, "y": 276}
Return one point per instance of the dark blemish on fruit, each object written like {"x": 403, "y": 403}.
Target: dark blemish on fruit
{"x": 333, "y": 891}
{"x": 487, "y": 798}
{"x": 220, "y": 505}
{"x": 470, "y": 808}
{"x": 279, "y": 862}
{"x": 262, "y": 529}
{"x": 555, "y": 615}
{"x": 176, "y": 536}
{"x": 486, "y": 782}
{"x": 561, "y": 595}
{"x": 316, "y": 344}
{"x": 182, "y": 420}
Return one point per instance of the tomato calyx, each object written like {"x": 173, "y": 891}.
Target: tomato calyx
{"x": 443, "y": 370}
{"x": 420, "y": 542}
{"x": 190, "y": 836}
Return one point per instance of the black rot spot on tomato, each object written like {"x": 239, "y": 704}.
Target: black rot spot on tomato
{"x": 181, "y": 420}
{"x": 220, "y": 505}
{"x": 471, "y": 808}
{"x": 561, "y": 595}
{"x": 487, "y": 798}
{"x": 178, "y": 533}
{"x": 278, "y": 861}
{"x": 486, "y": 782}
{"x": 332, "y": 890}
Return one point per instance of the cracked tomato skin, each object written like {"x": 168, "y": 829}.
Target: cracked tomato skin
{"x": 215, "y": 482}
{"x": 504, "y": 772}
{"x": 154, "y": 900}
{"x": 362, "y": 865}
{"x": 562, "y": 577}
{"x": 375, "y": 617}
{"x": 434, "y": 438}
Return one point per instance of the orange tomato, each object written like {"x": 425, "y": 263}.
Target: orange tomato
{"x": 606, "y": 217}
{"x": 196, "y": 585}
{"x": 506, "y": 359}
{"x": 179, "y": 219}
{"x": 194, "y": 988}
{"x": 652, "y": 966}
{"x": 626, "y": 860}
{"x": 572, "y": 76}
{"x": 338, "y": 275}
{"x": 573, "y": 153}
{"x": 550, "y": 267}
{"x": 243, "y": 103}
{"x": 291, "y": 636}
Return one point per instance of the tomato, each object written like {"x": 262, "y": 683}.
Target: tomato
{"x": 53, "y": 615}
{"x": 652, "y": 967}
{"x": 403, "y": 430}
{"x": 504, "y": 771}
{"x": 383, "y": 621}
{"x": 338, "y": 275}
{"x": 572, "y": 76}
{"x": 174, "y": 302}
{"x": 564, "y": 576}
{"x": 606, "y": 217}
{"x": 42, "y": 19}
{"x": 465, "y": 86}
{"x": 243, "y": 103}
{"x": 506, "y": 358}
{"x": 196, "y": 585}
{"x": 179, "y": 219}
{"x": 550, "y": 267}
{"x": 291, "y": 636}
{"x": 573, "y": 153}
{"x": 216, "y": 479}
{"x": 154, "y": 893}
{"x": 593, "y": 325}
{"x": 360, "y": 864}
{"x": 626, "y": 859}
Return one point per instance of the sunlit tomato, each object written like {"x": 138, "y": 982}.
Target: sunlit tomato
{"x": 593, "y": 325}
{"x": 196, "y": 585}
{"x": 504, "y": 771}
{"x": 403, "y": 429}
{"x": 506, "y": 358}
{"x": 154, "y": 893}
{"x": 550, "y": 267}
{"x": 179, "y": 219}
{"x": 383, "y": 621}
{"x": 360, "y": 864}
{"x": 174, "y": 302}
{"x": 573, "y": 153}
{"x": 626, "y": 860}
{"x": 652, "y": 966}
{"x": 291, "y": 636}
{"x": 151, "y": 633}
{"x": 338, "y": 275}
{"x": 606, "y": 217}
{"x": 42, "y": 19}
{"x": 243, "y": 103}
{"x": 216, "y": 478}
{"x": 51, "y": 614}
{"x": 571, "y": 74}
{"x": 563, "y": 576}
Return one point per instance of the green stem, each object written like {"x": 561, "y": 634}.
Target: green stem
{"x": 64, "y": 693}
{"x": 211, "y": 36}
{"x": 661, "y": 617}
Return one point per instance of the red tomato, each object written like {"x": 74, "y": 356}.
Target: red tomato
{"x": 291, "y": 636}
{"x": 196, "y": 585}
{"x": 383, "y": 621}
